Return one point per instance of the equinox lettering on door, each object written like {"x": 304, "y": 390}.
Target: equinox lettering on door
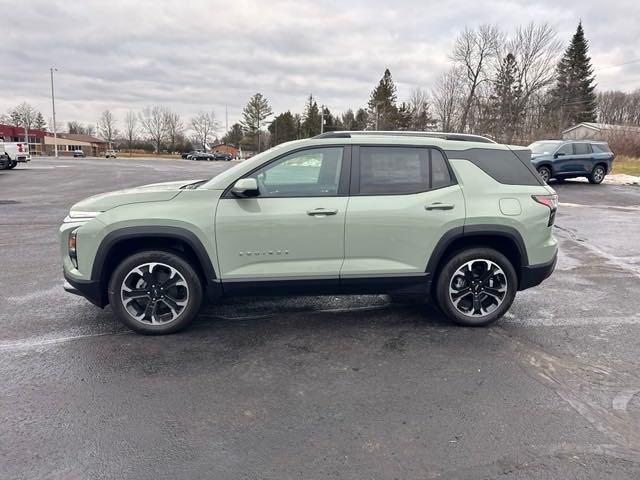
{"x": 269, "y": 252}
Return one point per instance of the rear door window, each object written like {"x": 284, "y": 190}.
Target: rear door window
{"x": 393, "y": 170}
{"x": 581, "y": 148}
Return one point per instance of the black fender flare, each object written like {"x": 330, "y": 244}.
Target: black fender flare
{"x": 159, "y": 231}
{"x": 477, "y": 230}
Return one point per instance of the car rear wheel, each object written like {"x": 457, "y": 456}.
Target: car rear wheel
{"x": 155, "y": 292}
{"x": 476, "y": 287}
{"x": 545, "y": 174}
{"x": 597, "y": 174}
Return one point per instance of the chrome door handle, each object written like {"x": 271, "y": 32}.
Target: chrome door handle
{"x": 439, "y": 206}
{"x": 320, "y": 212}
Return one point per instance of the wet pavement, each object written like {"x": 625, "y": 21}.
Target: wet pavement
{"x": 318, "y": 387}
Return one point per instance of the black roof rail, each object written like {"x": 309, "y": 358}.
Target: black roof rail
{"x": 334, "y": 135}
{"x": 464, "y": 137}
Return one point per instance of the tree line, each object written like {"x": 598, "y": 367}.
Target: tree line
{"x": 514, "y": 88}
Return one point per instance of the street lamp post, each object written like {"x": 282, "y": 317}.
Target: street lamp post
{"x": 53, "y": 105}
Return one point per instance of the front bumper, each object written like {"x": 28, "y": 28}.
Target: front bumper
{"x": 533, "y": 275}
{"x": 88, "y": 289}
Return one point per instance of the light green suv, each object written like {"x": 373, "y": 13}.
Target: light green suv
{"x": 457, "y": 218}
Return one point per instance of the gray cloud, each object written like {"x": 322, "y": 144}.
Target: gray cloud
{"x": 202, "y": 55}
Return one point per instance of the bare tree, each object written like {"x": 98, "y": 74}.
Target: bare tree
{"x": 153, "y": 122}
{"x": 419, "y": 108}
{"x": 107, "y": 126}
{"x": 473, "y": 51}
{"x": 175, "y": 128}
{"x": 24, "y": 115}
{"x": 447, "y": 98}
{"x": 204, "y": 125}
{"x": 130, "y": 128}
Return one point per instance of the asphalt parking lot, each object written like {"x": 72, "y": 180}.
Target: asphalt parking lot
{"x": 317, "y": 387}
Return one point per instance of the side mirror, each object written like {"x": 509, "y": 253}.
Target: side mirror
{"x": 245, "y": 187}
{"x": 558, "y": 154}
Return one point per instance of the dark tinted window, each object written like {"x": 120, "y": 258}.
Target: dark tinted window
{"x": 502, "y": 165}
{"x": 440, "y": 176}
{"x": 566, "y": 149}
{"x": 581, "y": 148}
{"x": 600, "y": 148}
{"x": 393, "y": 170}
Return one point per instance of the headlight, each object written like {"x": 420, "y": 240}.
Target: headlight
{"x": 71, "y": 245}
{"x": 80, "y": 216}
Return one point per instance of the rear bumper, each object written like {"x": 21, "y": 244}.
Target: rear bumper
{"x": 533, "y": 275}
{"x": 88, "y": 289}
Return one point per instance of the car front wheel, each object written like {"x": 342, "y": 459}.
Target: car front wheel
{"x": 155, "y": 292}
{"x": 476, "y": 287}
{"x": 597, "y": 174}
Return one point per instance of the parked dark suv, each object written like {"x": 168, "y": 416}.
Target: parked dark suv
{"x": 562, "y": 159}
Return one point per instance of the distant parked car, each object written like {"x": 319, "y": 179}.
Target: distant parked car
{"x": 110, "y": 154}
{"x": 562, "y": 159}
{"x": 222, "y": 156}
{"x": 202, "y": 156}
{"x": 186, "y": 155}
{"x": 79, "y": 153}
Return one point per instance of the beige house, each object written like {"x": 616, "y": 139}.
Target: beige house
{"x": 600, "y": 131}
{"x": 70, "y": 142}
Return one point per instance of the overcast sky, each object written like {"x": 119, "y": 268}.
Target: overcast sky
{"x": 203, "y": 54}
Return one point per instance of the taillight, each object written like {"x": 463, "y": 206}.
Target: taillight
{"x": 550, "y": 201}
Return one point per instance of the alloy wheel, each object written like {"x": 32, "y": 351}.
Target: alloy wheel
{"x": 478, "y": 288}
{"x": 598, "y": 174}
{"x": 154, "y": 293}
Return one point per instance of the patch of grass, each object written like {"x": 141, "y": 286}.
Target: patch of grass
{"x": 628, "y": 165}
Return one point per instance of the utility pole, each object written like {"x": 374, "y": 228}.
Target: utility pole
{"x": 53, "y": 105}
{"x": 322, "y": 119}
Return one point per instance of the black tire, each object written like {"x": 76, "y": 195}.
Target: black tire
{"x": 193, "y": 291}
{"x": 448, "y": 274}
{"x": 545, "y": 174}
{"x": 597, "y": 174}
{"x": 12, "y": 164}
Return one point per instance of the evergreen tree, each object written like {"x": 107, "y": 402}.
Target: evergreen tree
{"x": 382, "y": 108}
{"x": 504, "y": 112}
{"x": 39, "y": 122}
{"x": 405, "y": 119}
{"x": 348, "y": 120}
{"x": 254, "y": 114}
{"x": 234, "y": 135}
{"x": 311, "y": 119}
{"x": 283, "y": 128}
{"x": 574, "y": 98}
{"x": 362, "y": 119}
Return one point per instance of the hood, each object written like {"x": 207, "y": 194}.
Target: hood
{"x": 155, "y": 192}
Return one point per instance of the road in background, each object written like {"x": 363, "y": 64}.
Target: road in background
{"x": 346, "y": 387}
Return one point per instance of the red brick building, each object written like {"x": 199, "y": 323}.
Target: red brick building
{"x": 225, "y": 148}
{"x": 9, "y": 133}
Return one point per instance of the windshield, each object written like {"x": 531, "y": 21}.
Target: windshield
{"x": 543, "y": 147}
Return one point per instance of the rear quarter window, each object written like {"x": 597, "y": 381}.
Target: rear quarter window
{"x": 600, "y": 148}
{"x": 504, "y": 166}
